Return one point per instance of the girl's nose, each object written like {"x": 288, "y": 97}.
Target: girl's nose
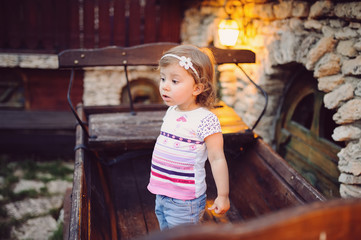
{"x": 165, "y": 86}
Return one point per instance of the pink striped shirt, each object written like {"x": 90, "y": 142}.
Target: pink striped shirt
{"x": 180, "y": 153}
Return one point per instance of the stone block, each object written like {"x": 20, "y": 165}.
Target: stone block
{"x": 328, "y": 31}
{"x": 27, "y": 185}
{"x": 58, "y": 186}
{"x": 345, "y": 33}
{"x": 352, "y": 67}
{"x": 351, "y": 166}
{"x": 283, "y": 9}
{"x": 327, "y": 66}
{"x": 346, "y": 48}
{"x": 350, "y": 191}
{"x": 347, "y": 132}
{"x": 349, "y": 112}
{"x": 313, "y": 24}
{"x": 321, "y": 9}
{"x": 348, "y": 10}
{"x": 358, "y": 89}
{"x": 334, "y": 98}
{"x": 36, "y": 228}
{"x": 33, "y": 206}
{"x": 306, "y": 45}
{"x": 329, "y": 83}
{"x": 300, "y": 9}
{"x": 349, "y": 179}
{"x": 323, "y": 46}
{"x": 357, "y": 45}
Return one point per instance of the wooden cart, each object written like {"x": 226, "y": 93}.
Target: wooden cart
{"x": 269, "y": 199}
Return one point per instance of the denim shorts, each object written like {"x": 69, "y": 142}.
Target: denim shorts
{"x": 172, "y": 212}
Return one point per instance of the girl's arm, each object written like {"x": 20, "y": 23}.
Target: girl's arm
{"x": 219, "y": 168}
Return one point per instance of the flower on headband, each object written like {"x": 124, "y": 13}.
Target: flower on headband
{"x": 185, "y": 62}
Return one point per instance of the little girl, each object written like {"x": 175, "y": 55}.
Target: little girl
{"x": 190, "y": 134}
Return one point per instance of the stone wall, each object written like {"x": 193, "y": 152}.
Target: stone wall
{"x": 323, "y": 36}
{"x": 103, "y": 85}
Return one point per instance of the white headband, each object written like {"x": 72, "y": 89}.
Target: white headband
{"x": 183, "y": 62}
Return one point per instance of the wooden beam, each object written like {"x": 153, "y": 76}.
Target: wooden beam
{"x": 145, "y": 54}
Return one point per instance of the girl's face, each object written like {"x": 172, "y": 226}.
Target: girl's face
{"x": 177, "y": 87}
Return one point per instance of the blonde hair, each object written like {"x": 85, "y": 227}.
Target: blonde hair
{"x": 203, "y": 62}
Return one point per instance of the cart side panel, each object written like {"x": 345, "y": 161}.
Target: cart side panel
{"x": 92, "y": 215}
{"x": 334, "y": 219}
{"x": 78, "y": 214}
{"x": 101, "y": 211}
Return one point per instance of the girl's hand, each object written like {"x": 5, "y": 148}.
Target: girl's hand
{"x": 220, "y": 205}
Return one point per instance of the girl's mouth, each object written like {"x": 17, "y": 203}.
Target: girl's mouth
{"x": 165, "y": 97}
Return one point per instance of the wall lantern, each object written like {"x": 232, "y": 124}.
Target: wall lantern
{"x": 228, "y": 29}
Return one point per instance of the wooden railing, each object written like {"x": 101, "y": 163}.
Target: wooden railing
{"x": 55, "y": 25}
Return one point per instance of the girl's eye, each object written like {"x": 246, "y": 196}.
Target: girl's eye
{"x": 175, "y": 81}
{"x": 162, "y": 79}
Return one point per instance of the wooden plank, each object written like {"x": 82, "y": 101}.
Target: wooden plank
{"x": 36, "y": 120}
{"x": 119, "y": 23}
{"x": 79, "y": 192}
{"x": 74, "y": 35}
{"x": 323, "y": 184}
{"x": 232, "y": 216}
{"x": 15, "y": 22}
{"x": 62, "y": 24}
{"x": 141, "y": 168}
{"x": 290, "y": 175}
{"x": 89, "y": 110}
{"x": 114, "y": 56}
{"x": 124, "y": 128}
{"x": 31, "y": 25}
{"x": 328, "y": 149}
{"x": 105, "y": 31}
{"x": 255, "y": 190}
{"x": 46, "y": 89}
{"x": 233, "y": 55}
{"x": 125, "y": 131}
{"x": 337, "y": 219}
{"x": 3, "y": 25}
{"x": 150, "y": 16}
{"x": 129, "y": 212}
{"x": 119, "y": 56}
{"x": 47, "y": 26}
{"x": 134, "y": 23}
{"x": 102, "y": 213}
{"x": 89, "y": 31}
{"x": 170, "y": 21}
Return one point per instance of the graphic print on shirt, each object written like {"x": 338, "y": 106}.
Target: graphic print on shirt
{"x": 182, "y": 119}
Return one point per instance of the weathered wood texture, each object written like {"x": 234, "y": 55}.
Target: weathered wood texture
{"x": 336, "y": 219}
{"x": 110, "y": 199}
{"x": 78, "y": 216}
{"x": 43, "y": 132}
{"x": 145, "y": 54}
{"x": 256, "y": 190}
{"x": 36, "y": 120}
{"x": 124, "y": 131}
{"x": 51, "y": 26}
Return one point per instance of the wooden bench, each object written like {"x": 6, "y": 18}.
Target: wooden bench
{"x": 43, "y": 132}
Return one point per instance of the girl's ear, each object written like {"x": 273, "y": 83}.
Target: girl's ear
{"x": 198, "y": 89}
